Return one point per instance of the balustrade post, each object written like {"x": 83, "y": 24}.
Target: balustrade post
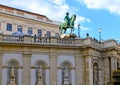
{"x": 27, "y": 39}
{"x": 1, "y": 36}
{"x": 53, "y": 40}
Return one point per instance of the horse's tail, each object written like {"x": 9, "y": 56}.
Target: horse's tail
{"x": 60, "y": 27}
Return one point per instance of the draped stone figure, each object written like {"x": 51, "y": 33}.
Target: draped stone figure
{"x": 40, "y": 76}
{"x": 12, "y": 72}
{"x": 96, "y": 76}
{"x": 65, "y": 76}
{"x": 40, "y": 72}
{"x": 65, "y": 73}
{"x": 12, "y": 76}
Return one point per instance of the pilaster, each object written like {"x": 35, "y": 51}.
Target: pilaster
{"x": 107, "y": 70}
{"x": 88, "y": 72}
{"x": 116, "y": 64}
{"x": 78, "y": 69}
{"x": 1, "y": 54}
{"x": 26, "y": 68}
{"x": 112, "y": 63}
{"x": 53, "y": 67}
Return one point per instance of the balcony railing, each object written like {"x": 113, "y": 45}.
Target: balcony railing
{"x": 57, "y": 41}
{"x": 9, "y": 38}
{"x": 34, "y": 40}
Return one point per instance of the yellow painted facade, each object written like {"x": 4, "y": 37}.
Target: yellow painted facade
{"x": 27, "y": 20}
{"x": 64, "y": 61}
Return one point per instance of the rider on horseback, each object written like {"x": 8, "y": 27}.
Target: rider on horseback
{"x": 67, "y": 19}
{"x": 68, "y": 23}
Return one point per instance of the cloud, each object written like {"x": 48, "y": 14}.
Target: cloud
{"x": 111, "y": 5}
{"x": 82, "y": 20}
{"x": 53, "y": 9}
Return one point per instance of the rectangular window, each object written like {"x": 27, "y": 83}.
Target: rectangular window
{"x": 19, "y": 28}
{"x": 39, "y": 32}
{"x": 9, "y": 27}
{"x": 48, "y": 33}
{"x": 56, "y": 34}
{"x": 30, "y": 31}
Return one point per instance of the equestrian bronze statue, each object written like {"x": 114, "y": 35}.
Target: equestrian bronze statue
{"x": 69, "y": 23}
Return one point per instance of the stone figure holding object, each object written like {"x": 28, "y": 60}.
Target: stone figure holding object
{"x": 12, "y": 72}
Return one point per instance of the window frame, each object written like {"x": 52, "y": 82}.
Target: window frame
{"x": 30, "y": 31}
{"x": 39, "y": 32}
{"x": 48, "y": 33}
{"x": 9, "y": 27}
{"x": 19, "y": 27}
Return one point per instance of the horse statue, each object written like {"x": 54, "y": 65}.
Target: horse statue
{"x": 67, "y": 24}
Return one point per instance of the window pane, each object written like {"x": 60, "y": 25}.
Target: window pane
{"x": 48, "y": 33}
{"x": 9, "y": 27}
{"x": 30, "y": 31}
{"x": 39, "y": 32}
{"x": 19, "y": 29}
{"x": 56, "y": 34}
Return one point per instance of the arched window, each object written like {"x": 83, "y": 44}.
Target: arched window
{"x": 12, "y": 71}
{"x": 66, "y": 73}
{"x": 40, "y": 76}
{"x": 95, "y": 74}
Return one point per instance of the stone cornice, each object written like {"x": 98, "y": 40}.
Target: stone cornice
{"x": 24, "y": 18}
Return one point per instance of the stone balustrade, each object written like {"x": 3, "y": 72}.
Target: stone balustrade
{"x": 57, "y": 41}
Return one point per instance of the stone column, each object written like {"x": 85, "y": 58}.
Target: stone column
{"x": 78, "y": 69}
{"x": 107, "y": 70}
{"x": 53, "y": 67}
{"x": 112, "y": 63}
{"x": 115, "y": 63}
{"x": 26, "y": 68}
{"x": 88, "y": 73}
{"x": 1, "y": 54}
{"x": 101, "y": 70}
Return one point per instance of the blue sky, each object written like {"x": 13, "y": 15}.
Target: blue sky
{"x": 91, "y": 14}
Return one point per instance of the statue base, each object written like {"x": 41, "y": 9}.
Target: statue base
{"x": 67, "y": 36}
{"x": 12, "y": 82}
{"x": 40, "y": 82}
{"x": 66, "y": 82}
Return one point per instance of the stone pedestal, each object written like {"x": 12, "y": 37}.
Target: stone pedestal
{"x": 12, "y": 82}
{"x": 40, "y": 82}
{"x": 66, "y": 82}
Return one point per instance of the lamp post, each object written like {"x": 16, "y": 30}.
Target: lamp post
{"x": 79, "y": 30}
{"x": 100, "y": 30}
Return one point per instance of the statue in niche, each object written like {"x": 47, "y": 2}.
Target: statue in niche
{"x": 65, "y": 73}
{"x": 96, "y": 76}
{"x": 40, "y": 72}
{"x": 12, "y": 72}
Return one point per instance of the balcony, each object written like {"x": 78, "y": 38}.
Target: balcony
{"x": 54, "y": 41}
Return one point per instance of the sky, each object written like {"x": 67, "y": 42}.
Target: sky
{"x": 92, "y": 15}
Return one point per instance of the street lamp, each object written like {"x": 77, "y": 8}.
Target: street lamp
{"x": 100, "y": 30}
{"x": 79, "y": 30}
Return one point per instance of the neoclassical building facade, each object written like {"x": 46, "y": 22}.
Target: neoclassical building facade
{"x": 27, "y": 60}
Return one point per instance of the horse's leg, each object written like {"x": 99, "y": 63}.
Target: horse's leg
{"x": 64, "y": 30}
